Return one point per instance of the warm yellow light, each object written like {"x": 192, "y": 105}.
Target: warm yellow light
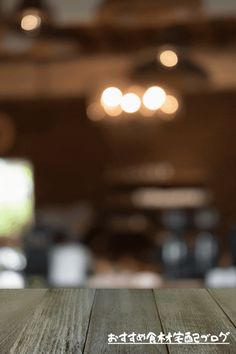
{"x": 113, "y": 111}
{"x": 130, "y": 103}
{"x": 154, "y": 98}
{"x": 95, "y": 112}
{"x": 111, "y": 97}
{"x": 30, "y": 22}
{"x": 171, "y": 105}
{"x": 169, "y": 58}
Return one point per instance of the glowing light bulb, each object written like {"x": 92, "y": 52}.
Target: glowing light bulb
{"x": 111, "y": 97}
{"x": 169, "y": 58}
{"x": 154, "y": 98}
{"x": 171, "y": 105}
{"x": 30, "y": 22}
{"x": 130, "y": 103}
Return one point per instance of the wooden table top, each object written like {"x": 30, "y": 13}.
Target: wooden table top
{"x": 80, "y": 320}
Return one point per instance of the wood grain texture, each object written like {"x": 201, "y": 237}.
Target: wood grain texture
{"x": 16, "y": 307}
{"x": 59, "y": 324}
{"x": 78, "y": 321}
{"x": 194, "y": 311}
{"x": 226, "y": 298}
{"x": 119, "y": 311}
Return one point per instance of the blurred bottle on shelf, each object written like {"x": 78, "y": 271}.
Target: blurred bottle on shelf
{"x": 174, "y": 255}
{"x": 36, "y": 245}
{"x": 206, "y": 219}
{"x": 175, "y": 221}
{"x": 54, "y": 256}
{"x": 206, "y": 250}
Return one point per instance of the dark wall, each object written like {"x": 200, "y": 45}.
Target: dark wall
{"x": 70, "y": 153}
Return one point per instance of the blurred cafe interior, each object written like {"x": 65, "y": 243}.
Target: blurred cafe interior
{"x": 117, "y": 143}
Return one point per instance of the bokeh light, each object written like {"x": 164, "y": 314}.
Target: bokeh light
{"x": 11, "y": 280}
{"x": 30, "y": 22}
{"x": 12, "y": 259}
{"x": 95, "y": 112}
{"x": 171, "y": 105}
{"x": 111, "y": 97}
{"x": 130, "y": 103}
{"x": 113, "y": 111}
{"x": 154, "y": 98}
{"x": 169, "y": 58}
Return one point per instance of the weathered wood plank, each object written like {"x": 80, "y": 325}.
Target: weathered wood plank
{"x": 226, "y": 298}
{"x": 59, "y": 324}
{"x": 194, "y": 310}
{"x": 16, "y": 307}
{"x": 119, "y": 311}
{"x": 57, "y": 321}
